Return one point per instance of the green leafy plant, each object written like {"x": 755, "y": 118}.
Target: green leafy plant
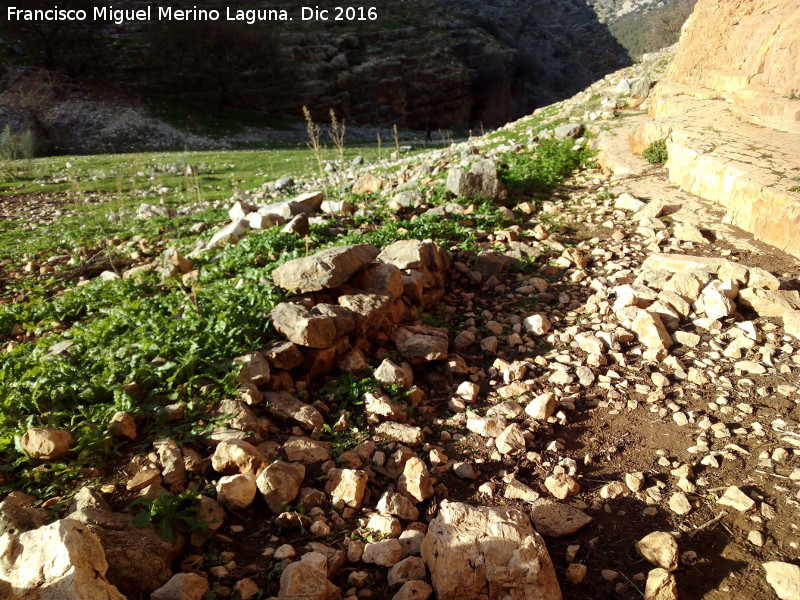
{"x": 525, "y": 174}
{"x": 656, "y": 152}
{"x": 169, "y": 514}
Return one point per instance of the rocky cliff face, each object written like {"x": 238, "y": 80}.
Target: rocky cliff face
{"x": 747, "y": 50}
{"x": 730, "y": 113}
{"x": 444, "y": 63}
{"x": 422, "y": 63}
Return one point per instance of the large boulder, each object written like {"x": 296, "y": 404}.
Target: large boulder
{"x": 324, "y": 270}
{"x": 138, "y": 560}
{"x": 62, "y": 560}
{"x": 487, "y": 552}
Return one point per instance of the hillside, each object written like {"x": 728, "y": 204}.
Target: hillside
{"x": 421, "y": 64}
{"x": 643, "y": 26}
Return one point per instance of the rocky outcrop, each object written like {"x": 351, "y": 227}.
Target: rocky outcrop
{"x": 420, "y": 64}
{"x": 747, "y": 52}
{"x": 729, "y": 114}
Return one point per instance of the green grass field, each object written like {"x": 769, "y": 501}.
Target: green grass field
{"x": 142, "y": 343}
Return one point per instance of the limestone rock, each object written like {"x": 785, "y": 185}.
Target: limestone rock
{"x": 347, "y": 486}
{"x": 236, "y": 492}
{"x": 562, "y": 486}
{"x": 784, "y": 579}
{"x": 650, "y": 331}
{"x": 414, "y": 254}
{"x": 122, "y": 424}
{"x": 62, "y": 560}
{"x": 304, "y": 327}
{"x": 230, "y": 233}
{"x": 399, "y": 432}
{"x": 385, "y": 553}
{"x": 554, "y": 519}
{"x": 542, "y": 407}
{"x": 283, "y": 355}
{"x": 237, "y": 456}
{"x": 537, "y": 324}
{"x": 575, "y": 573}
{"x": 85, "y": 498}
{"x": 307, "y": 451}
{"x": 396, "y": 504}
{"x": 510, "y": 440}
{"x": 480, "y": 180}
{"x": 16, "y": 518}
{"x": 569, "y": 131}
{"x": 138, "y": 560}
{"x": 182, "y": 586}
{"x": 279, "y": 483}
{"x": 369, "y": 310}
{"x": 679, "y": 504}
{"x": 688, "y": 233}
{"x": 628, "y": 202}
{"x": 305, "y": 581}
{"x": 486, "y": 427}
{"x": 285, "y": 406}
{"x": 173, "y": 471}
{"x": 660, "y": 586}
{"x": 415, "y": 480}
{"x": 414, "y": 590}
{"x": 791, "y": 323}
{"x": 408, "y": 569}
{"x": 45, "y": 443}
{"x": 420, "y": 344}
{"x": 313, "y": 200}
{"x": 255, "y": 368}
{"x": 660, "y": 548}
{"x": 770, "y": 303}
{"x": 475, "y": 552}
{"x": 324, "y": 270}
{"x": 736, "y": 498}
{"x": 516, "y": 490}
{"x": 384, "y": 525}
{"x": 367, "y": 184}
{"x": 390, "y": 373}
{"x": 380, "y": 278}
{"x": 378, "y": 407}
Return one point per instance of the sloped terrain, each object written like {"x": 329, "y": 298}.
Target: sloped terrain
{"x": 364, "y": 383}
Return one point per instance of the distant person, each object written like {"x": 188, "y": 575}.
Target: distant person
{"x": 428, "y": 137}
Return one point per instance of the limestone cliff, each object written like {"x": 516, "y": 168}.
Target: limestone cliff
{"x": 730, "y": 112}
{"x": 748, "y": 51}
